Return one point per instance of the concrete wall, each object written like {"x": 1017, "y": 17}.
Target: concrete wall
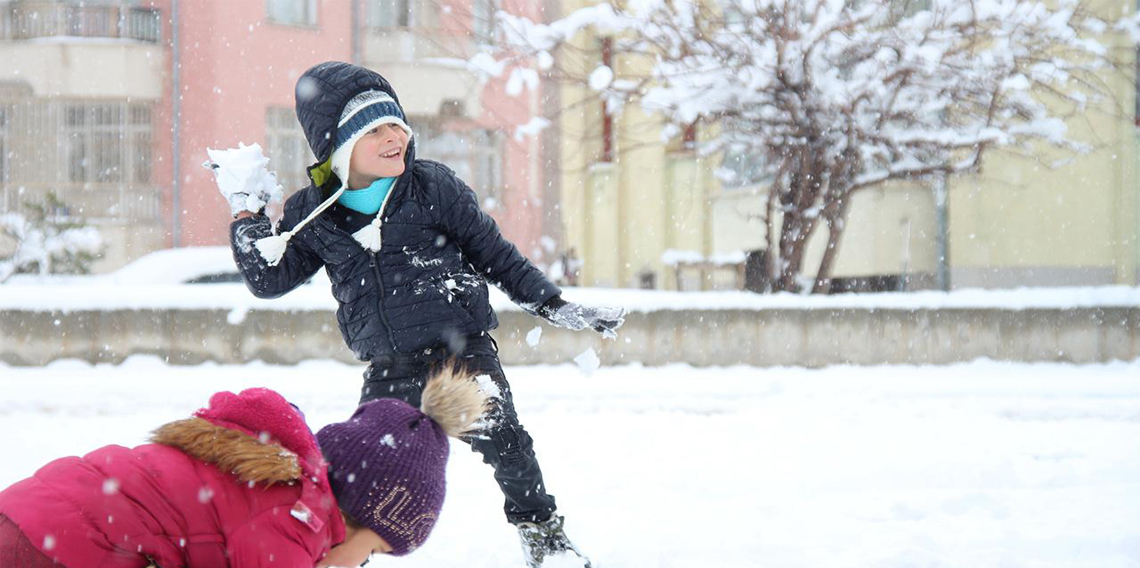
{"x": 812, "y": 337}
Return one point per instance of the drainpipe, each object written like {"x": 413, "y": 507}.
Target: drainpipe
{"x": 176, "y": 128}
{"x": 354, "y": 21}
{"x": 942, "y": 221}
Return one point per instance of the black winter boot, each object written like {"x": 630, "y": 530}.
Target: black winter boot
{"x": 545, "y": 540}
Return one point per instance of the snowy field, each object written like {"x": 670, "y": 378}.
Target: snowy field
{"x": 975, "y": 465}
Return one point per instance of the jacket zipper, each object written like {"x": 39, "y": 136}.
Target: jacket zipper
{"x": 374, "y": 263}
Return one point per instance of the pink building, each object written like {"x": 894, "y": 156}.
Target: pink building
{"x": 133, "y": 112}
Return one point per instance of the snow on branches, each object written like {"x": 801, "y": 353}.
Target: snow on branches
{"x": 839, "y": 95}
{"x": 47, "y": 245}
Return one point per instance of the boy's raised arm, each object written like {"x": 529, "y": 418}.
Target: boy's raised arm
{"x": 296, "y": 267}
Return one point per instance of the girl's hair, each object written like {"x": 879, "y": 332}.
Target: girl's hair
{"x": 350, "y": 522}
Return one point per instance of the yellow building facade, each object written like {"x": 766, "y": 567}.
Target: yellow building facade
{"x": 624, "y": 208}
{"x": 1053, "y": 220}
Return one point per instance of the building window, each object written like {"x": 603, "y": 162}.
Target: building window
{"x": 476, "y": 155}
{"x": 103, "y": 19}
{"x": 292, "y": 12}
{"x": 95, "y": 156}
{"x": 5, "y": 118}
{"x": 107, "y": 143}
{"x": 141, "y": 143}
{"x": 390, "y": 13}
{"x": 1136, "y": 80}
{"x": 288, "y": 152}
{"x": 743, "y": 167}
{"x": 483, "y": 20}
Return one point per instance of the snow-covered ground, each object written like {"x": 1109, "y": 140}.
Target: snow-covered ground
{"x": 975, "y": 465}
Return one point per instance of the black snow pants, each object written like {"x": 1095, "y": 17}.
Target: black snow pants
{"x": 506, "y": 446}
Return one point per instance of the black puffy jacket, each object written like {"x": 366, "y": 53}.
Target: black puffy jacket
{"x": 427, "y": 286}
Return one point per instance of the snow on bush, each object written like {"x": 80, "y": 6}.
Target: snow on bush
{"x": 47, "y": 244}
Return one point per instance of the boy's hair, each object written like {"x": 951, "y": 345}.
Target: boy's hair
{"x": 387, "y": 462}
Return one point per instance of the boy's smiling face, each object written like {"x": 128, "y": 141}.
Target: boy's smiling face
{"x": 378, "y": 154}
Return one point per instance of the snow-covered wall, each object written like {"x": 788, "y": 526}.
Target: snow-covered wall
{"x": 222, "y": 323}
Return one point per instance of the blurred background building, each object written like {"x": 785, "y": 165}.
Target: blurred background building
{"x": 111, "y": 104}
{"x": 642, "y": 212}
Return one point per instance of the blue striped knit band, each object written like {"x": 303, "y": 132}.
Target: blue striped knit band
{"x": 361, "y": 114}
{"x": 365, "y": 109}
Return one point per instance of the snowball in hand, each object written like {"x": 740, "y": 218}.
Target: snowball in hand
{"x": 243, "y": 177}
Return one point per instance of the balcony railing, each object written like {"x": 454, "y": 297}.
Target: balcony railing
{"x": 28, "y": 20}
{"x": 95, "y": 203}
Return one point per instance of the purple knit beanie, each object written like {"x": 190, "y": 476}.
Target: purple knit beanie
{"x": 387, "y": 462}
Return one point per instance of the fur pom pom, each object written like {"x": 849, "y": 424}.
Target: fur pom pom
{"x": 454, "y": 401}
{"x": 272, "y": 248}
{"x": 369, "y": 237}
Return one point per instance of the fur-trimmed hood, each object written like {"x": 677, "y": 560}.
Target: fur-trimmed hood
{"x": 248, "y": 458}
{"x": 256, "y": 434}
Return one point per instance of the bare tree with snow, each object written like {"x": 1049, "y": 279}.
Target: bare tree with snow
{"x": 836, "y": 96}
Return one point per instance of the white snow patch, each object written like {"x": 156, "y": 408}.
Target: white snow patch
{"x": 534, "y": 336}
{"x": 236, "y": 316}
{"x": 104, "y": 293}
{"x": 488, "y": 386}
{"x": 564, "y": 560}
{"x": 601, "y": 78}
{"x": 205, "y": 494}
{"x": 588, "y": 361}
{"x": 531, "y": 129}
{"x": 978, "y": 464}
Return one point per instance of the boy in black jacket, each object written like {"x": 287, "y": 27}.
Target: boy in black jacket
{"x": 409, "y": 254}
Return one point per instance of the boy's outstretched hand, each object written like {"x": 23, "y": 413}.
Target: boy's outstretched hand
{"x": 604, "y": 320}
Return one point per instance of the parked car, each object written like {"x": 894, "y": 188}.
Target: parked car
{"x": 185, "y": 265}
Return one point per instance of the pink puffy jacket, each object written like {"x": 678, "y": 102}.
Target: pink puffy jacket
{"x": 241, "y": 484}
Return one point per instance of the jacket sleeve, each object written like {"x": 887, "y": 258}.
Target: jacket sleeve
{"x": 297, "y": 266}
{"x": 496, "y": 258}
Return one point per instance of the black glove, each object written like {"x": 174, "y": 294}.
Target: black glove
{"x": 573, "y": 316}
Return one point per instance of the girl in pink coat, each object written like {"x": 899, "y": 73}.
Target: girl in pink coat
{"x": 245, "y": 484}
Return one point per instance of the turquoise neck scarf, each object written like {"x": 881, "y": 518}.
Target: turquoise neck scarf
{"x": 369, "y": 199}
